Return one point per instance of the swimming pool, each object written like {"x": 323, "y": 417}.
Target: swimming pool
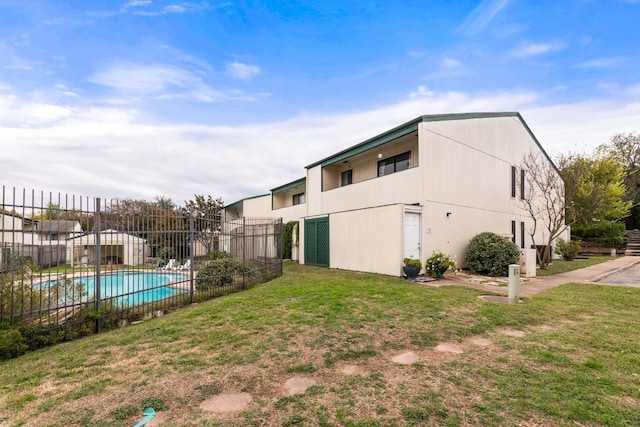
{"x": 129, "y": 288}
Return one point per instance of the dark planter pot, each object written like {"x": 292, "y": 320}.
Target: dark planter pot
{"x": 440, "y": 273}
{"x": 411, "y": 273}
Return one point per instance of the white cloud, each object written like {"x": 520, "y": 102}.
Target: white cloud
{"x": 534, "y": 49}
{"x": 145, "y": 8}
{"x": 451, "y": 63}
{"x": 602, "y": 62}
{"x": 418, "y": 53}
{"x": 162, "y": 81}
{"x": 110, "y": 152}
{"x": 420, "y": 91}
{"x": 144, "y": 79}
{"x": 241, "y": 71}
{"x": 20, "y": 112}
{"x": 20, "y": 64}
{"x": 446, "y": 68}
{"x": 174, "y": 8}
{"x": 136, "y": 3}
{"x": 482, "y": 15}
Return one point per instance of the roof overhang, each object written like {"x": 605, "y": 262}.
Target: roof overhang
{"x": 412, "y": 126}
{"x": 289, "y": 186}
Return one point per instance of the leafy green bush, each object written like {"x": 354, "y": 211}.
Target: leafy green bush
{"x": 166, "y": 253}
{"x": 219, "y": 255}
{"x": 410, "y": 262}
{"x": 438, "y": 263}
{"x": 12, "y": 344}
{"x": 287, "y": 238}
{"x": 601, "y": 232}
{"x": 218, "y": 272}
{"x": 491, "y": 254}
{"x": 567, "y": 250}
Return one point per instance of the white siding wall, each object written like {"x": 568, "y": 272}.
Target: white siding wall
{"x": 314, "y": 191}
{"x": 15, "y": 225}
{"x": 467, "y": 171}
{"x": 258, "y": 207}
{"x": 368, "y": 240}
{"x": 400, "y": 187}
{"x": 291, "y": 213}
{"x": 464, "y": 170}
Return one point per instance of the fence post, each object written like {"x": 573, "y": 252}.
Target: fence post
{"x": 192, "y": 246}
{"x": 244, "y": 250}
{"x": 98, "y": 255}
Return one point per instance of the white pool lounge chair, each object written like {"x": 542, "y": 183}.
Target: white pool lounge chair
{"x": 185, "y": 266}
{"x": 171, "y": 265}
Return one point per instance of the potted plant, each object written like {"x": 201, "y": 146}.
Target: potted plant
{"x": 438, "y": 263}
{"x": 412, "y": 268}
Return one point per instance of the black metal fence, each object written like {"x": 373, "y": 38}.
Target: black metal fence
{"x": 72, "y": 266}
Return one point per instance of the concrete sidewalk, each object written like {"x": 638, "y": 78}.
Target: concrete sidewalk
{"x": 534, "y": 285}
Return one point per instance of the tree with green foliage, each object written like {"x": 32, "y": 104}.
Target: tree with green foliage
{"x": 206, "y": 214}
{"x": 163, "y": 202}
{"x": 594, "y": 187}
{"x": 625, "y": 148}
{"x": 160, "y": 227}
{"x": 51, "y": 212}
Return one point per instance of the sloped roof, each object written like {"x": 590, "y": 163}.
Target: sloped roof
{"x": 108, "y": 237}
{"x": 56, "y": 226}
{"x": 412, "y": 126}
{"x": 289, "y": 185}
{"x": 239, "y": 202}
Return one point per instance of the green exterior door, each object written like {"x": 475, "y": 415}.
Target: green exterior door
{"x": 316, "y": 241}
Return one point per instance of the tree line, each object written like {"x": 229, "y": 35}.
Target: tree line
{"x": 604, "y": 186}
{"x": 161, "y": 222}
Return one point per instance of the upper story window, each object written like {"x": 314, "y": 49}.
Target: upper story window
{"x": 298, "y": 199}
{"x": 514, "y": 175}
{"x": 394, "y": 164}
{"x": 522, "y": 184}
{"x": 346, "y": 177}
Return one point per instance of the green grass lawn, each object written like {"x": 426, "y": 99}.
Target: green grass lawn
{"x": 577, "y": 362}
{"x": 560, "y": 266}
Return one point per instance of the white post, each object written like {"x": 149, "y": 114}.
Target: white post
{"x": 514, "y": 283}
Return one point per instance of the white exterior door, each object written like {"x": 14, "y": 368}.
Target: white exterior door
{"x": 412, "y": 235}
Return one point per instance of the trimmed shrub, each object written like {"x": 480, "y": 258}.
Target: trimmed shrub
{"x": 219, "y": 255}
{"x": 601, "y": 232}
{"x": 568, "y": 250}
{"x": 12, "y": 344}
{"x": 217, "y": 273}
{"x": 491, "y": 254}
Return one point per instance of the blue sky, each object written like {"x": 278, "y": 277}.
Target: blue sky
{"x": 140, "y": 98}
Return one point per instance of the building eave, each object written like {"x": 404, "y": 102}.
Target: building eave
{"x": 241, "y": 201}
{"x": 412, "y": 126}
{"x": 289, "y": 185}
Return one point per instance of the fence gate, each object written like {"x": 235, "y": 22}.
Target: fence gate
{"x": 316, "y": 241}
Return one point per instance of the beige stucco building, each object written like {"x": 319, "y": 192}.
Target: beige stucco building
{"x": 430, "y": 184}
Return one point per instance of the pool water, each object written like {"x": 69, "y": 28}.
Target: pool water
{"x": 132, "y": 288}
